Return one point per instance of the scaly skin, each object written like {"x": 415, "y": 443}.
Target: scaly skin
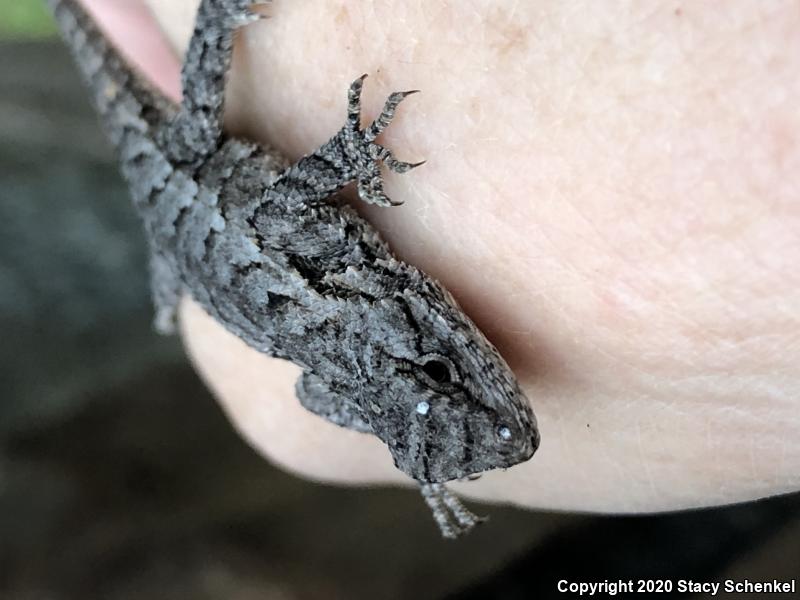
{"x": 270, "y": 254}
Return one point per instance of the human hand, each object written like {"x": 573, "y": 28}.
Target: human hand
{"x": 611, "y": 193}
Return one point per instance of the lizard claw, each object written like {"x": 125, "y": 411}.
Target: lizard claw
{"x": 453, "y": 518}
{"x": 253, "y": 15}
{"x": 249, "y": 16}
{"x": 387, "y": 114}
{"x": 238, "y": 13}
{"x": 364, "y": 154}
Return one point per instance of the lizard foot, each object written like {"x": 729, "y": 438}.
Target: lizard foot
{"x": 363, "y": 155}
{"x": 453, "y": 518}
{"x": 232, "y": 14}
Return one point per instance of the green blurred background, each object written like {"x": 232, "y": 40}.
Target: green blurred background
{"x": 25, "y": 19}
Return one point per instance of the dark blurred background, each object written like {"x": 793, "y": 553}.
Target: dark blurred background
{"x": 121, "y": 478}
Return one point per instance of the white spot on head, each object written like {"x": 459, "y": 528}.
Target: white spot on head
{"x": 217, "y": 222}
{"x": 504, "y": 432}
{"x": 423, "y": 407}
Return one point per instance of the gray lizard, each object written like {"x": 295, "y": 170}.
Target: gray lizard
{"x": 271, "y": 252}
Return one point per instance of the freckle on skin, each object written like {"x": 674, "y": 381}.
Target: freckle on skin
{"x": 342, "y": 15}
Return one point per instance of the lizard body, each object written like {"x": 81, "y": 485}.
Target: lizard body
{"x": 267, "y": 249}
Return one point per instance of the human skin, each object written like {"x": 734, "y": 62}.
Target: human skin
{"x": 612, "y": 193}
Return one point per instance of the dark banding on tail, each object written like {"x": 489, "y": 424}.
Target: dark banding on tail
{"x": 134, "y": 117}
{"x": 118, "y": 94}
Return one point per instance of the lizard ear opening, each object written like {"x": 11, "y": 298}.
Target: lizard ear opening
{"x": 439, "y": 369}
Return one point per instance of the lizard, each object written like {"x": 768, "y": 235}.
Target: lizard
{"x": 271, "y": 251}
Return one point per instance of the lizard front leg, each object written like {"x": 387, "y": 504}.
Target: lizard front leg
{"x": 317, "y": 397}
{"x": 350, "y": 155}
{"x": 453, "y": 518}
{"x": 356, "y": 152}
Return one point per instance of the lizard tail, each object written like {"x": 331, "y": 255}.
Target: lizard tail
{"x": 119, "y": 95}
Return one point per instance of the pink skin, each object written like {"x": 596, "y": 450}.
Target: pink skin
{"x": 611, "y": 192}
{"x": 135, "y": 32}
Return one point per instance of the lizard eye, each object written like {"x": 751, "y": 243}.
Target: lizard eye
{"x": 504, "y": 433}
{"x": 439, "y": 369}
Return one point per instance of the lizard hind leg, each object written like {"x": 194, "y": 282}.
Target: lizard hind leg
{"x": 166, "y": 288}
{"x": 196, "y": 130}
{"x": 453, "y": 518}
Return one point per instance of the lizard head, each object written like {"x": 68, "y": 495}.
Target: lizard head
{"x": 438, "y": 392}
